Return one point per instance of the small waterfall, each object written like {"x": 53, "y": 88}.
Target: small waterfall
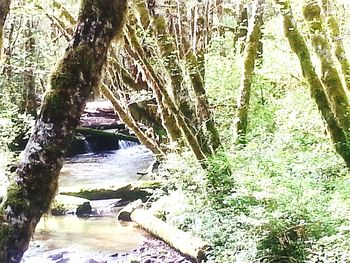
{"x": 126, "y": 144}
{"x": 88, "y": 147}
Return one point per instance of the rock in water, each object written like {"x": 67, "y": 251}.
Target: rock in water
{"x": 84, "y": 210}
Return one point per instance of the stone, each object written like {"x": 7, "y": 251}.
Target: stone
{"x": 84, "y": 210}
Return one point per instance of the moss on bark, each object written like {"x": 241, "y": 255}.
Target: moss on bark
{"x": 337, "y": 42}
{"x": 330, "y": 76}
{"x": 169, "y": 51}
{"x": 35, "y": 184}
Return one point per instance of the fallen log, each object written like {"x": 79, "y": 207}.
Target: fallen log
{"x": 87, "y": 132}
{"x": 126, "y": 191}
{"x": 99, "y": 125}
{"x": 178, "y": 239}
{"x": 63, "y": 204}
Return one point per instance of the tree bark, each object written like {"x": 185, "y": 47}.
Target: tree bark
{"x": 299, "y": 47}
{"x": 4, "y": 10}
{"x": 168, "y": 50}
{"x": 330, "y": 75}
{"x": 250, "y": 55}
{"x": 169, "y": 53}
{"x": 35, "y": 184}
{"x": 168, "y": 119}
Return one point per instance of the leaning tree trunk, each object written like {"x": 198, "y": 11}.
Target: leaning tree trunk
{"x": 337, "y": 42}
{"x": 168, "y": 119}
{"x": 330, "y": 75}
{"x": 299, "y": 47}
{"x": 165, "y": 102}
{"x": 35, "y": 184}
{"x": 4, "y": 10}
{"x": 168, "y": 49}
{"x": 250, "y": 54}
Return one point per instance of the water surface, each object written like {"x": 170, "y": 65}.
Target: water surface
{"x": 106, "y": 168}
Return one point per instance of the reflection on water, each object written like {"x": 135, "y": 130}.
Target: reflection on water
{"x": 76, "y": 237}
{"x": 93, "y": 234}
{"x": 105, "y": 168}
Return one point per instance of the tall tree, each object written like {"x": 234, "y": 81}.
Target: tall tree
{"x": 242, "y": 26}
{"x": 250, "y": 54}
{"x": 4, "y": 10}
{"x": 30, "y": 99}
{"x": 35, "y": 184}
{"x": 337, "y": 42}
{"x": 299, "y": 47}
{"x": 331, "y": 78}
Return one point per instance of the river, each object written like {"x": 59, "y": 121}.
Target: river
{"x": 96, "y": 239}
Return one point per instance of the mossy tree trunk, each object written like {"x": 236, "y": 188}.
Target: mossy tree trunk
{"x": 153, "y": 80}
{"x": 330, "y": 75}
{"x": 250, "y": 55}
{"x": 200, "y": 34}
{"x": 35, "y": 184}
{"x": 337, "y": 42}
{"x": 169, "y": 53}
{"x": 242, "y": 26}
{"x": 4, "y": 10}
{"x": 299, "y": 47}
{"x": 31, "y": 104}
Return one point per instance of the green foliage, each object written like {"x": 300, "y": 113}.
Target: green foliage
{"x": 15, "y": 130}
{"x": 220, "y": 181}
{"x": 284, "y": 197}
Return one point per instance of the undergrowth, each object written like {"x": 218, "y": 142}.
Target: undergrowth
{"x": 284, "y": 197}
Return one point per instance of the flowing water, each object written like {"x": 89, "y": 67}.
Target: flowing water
{"x": 106, "y": 168}
{"x": 71, "y": 239}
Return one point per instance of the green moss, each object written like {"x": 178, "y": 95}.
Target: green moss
{"x": 311, "y": 10}
{"x": 333, "y": 25}
{"x": 78, "y": 63}
{"x": 56, "y": 102}
{"x": 17, "y": 200}
{"x": 143, "y": 15}
{"x": 6, "y": 231}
